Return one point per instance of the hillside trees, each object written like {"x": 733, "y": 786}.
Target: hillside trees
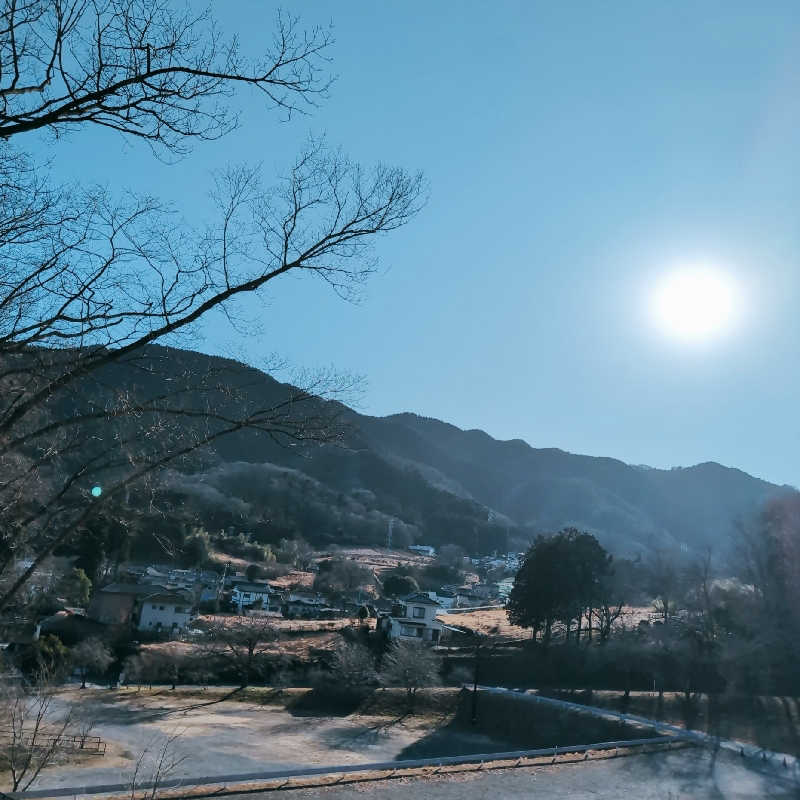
{"x": 769, "y": 565}
{"x": 342, "y": 577}
{"x": 396, "y": 585}
{"x": 90, "y": 281}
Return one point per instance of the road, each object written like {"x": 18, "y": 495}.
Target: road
{"x": 692, "y": 774}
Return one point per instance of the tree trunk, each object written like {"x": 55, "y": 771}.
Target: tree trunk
{"x": 580, "y": 625}
{"x": 475, "y": 686}
{"x": 589, "y": 622}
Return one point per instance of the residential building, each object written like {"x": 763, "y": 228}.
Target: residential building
{"x": 144, "y": 606}
{"x": 118, "y": 603}
{"x": 306, "y": 606}
{"x": 253, "y": 594}
{"x": 167, "y": 611}
{"x": 414, "y": 618}
{"x": 444, "y": 597}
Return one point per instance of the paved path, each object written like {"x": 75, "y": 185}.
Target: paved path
{"x": 689, "y": 774}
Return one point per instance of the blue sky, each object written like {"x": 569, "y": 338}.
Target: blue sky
{"x": 575, "y": 152}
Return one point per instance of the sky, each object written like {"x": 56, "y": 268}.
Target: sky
{"x": 576, "y": 154}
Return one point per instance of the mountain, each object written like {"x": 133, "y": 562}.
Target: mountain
{"x": 630, "y": 508}
{"x": 428, "y": 481}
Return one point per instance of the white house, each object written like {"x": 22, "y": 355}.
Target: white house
{"x": 415, "y": 618}
{"x": 165, "y": 612}
{"x": 248, "y": 594}
{"x": 444, "y": 597}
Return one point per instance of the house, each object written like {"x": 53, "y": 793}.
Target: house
{"x": 249, "y": 594}
{"x": 145, "y": 606}
{"x": 305, "y": 606}
{"x": 423, "y": 549}
{"x": 486, "y": 591}
{"x": 504, "y": 587}
{"x": 71, "y": 626}
{"x": 444, "y": 597}
{"x": 118, "y": 603}
{"x": 414, "y": 618}
{"x": 165, "y": 611}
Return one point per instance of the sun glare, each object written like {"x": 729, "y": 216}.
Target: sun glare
{"x": 695, "y": 304}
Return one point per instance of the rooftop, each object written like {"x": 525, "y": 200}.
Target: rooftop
{"x": 421, "y": 599}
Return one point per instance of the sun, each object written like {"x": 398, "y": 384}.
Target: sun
{"x": 695, "y": 304}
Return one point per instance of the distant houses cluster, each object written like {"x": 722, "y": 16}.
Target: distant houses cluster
{"x": 163, "y": 601}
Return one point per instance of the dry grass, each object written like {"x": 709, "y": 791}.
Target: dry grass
{"x": 293, "y": 579}
{"x": 495, "y": 622}
{"x": 378, "y": 559}
{"x": 492, "y": 621}
{"x": 299, "y": 646}
{"x": 278, "y": 623}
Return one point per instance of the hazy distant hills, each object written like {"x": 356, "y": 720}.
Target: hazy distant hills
{"x": 435, "y": 483}
{"x": 627, "y": 506}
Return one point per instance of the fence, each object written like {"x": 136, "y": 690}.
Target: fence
{"x": 71, "y": 742}
{"x": 479, "y": 759}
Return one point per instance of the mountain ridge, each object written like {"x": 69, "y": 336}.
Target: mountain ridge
{"x": 430, "y": 481}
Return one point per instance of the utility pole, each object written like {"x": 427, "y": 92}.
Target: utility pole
{"x": 221, "y": 584}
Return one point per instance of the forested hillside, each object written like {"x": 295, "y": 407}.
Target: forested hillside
{"x": 425, "y": 480}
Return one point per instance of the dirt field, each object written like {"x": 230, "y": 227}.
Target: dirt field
{"x": 292, "y": 579}
{"x": 226, "y": 737}
{"x": 494, "y": 621}
{"x": 268, "y": 729}
{"x": 491, "y": 621}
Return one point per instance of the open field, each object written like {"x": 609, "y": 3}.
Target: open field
{"x": 227, "y": 736}
{"x": 494, "y": 621}
{"x": 223, "y": 732}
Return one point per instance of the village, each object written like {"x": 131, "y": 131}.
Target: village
{"x": 152, "y": 603}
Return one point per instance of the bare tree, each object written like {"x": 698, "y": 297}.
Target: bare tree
{"x": 90, "y": 655}
{"x": 154, "y": 767}
{"x": 240, "y": 644}
{"x": 89, "y": 282}
{"x": 412, "y": 666}
{"x": 32, "y": 732}
{"x": 665, "y": 584}
{"x": 353, "y": 666}
{"x": 142, "y": 68}
{"x": 146, "y": 666}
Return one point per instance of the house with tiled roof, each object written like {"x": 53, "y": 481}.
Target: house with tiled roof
{"x": 414, "y": 619}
